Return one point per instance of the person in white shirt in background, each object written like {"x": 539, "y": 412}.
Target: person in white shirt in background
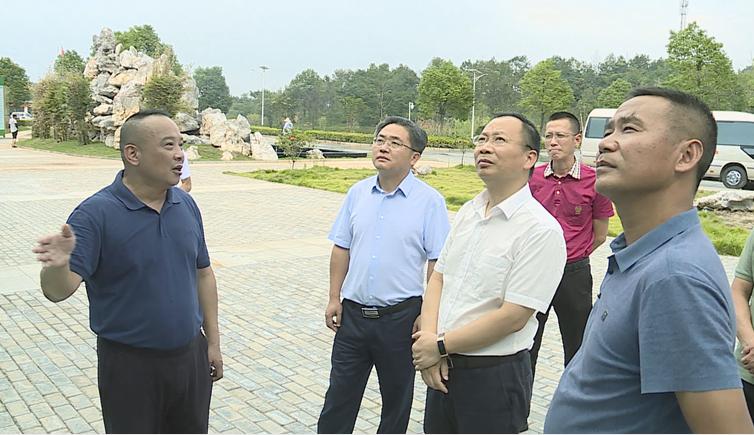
{"x": 185, "y": 182}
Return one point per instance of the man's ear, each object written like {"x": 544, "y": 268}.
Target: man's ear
{"x": 131, "y": 154}
{"x": 415, "y": 158}
{"x": 691, "y": 152}
{"x": 531, "y": 158}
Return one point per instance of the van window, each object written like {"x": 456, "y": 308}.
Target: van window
{"x": 735, "y": 133}
{"x": 596, "y": 128}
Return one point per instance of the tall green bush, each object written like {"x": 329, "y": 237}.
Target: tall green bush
{"x": 163, "y": 92}
{"x": 61, "y": 104}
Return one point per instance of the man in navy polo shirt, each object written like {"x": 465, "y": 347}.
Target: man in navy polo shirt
{"x": 390, "y": 226}
{"x": 657, "y": 354}
{"x": 138, "y": 244}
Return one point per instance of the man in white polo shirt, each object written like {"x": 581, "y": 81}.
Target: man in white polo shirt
{"x": 501, "y": 263}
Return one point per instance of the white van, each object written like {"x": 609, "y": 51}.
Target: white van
{"x": 733, "y": 164}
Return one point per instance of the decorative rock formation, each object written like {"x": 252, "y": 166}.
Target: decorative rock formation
{"x": 228, "y": 135}
{"x": 192, "y": 140}
{"x": 423, "y": 170}
{"x": 185, "y": 122}
{"x": 315, "y": 153}
{"x": 192, "y": 153}
{"x": 118, "y": 77}
{"x": 260, "y": 150}
{"x": 733, "y": 200}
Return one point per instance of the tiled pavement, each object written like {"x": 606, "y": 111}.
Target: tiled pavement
{"x": 270, "y": 253}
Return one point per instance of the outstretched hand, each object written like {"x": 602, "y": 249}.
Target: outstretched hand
{"x": 54, "y": 250}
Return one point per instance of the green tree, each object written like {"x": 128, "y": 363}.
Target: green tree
{"x": 544, "y": 91}
{"x": 61, "y": 104}
{"x": 613, "y": 95}
{"x": 248, "y": 105}
{"x": 352, "y": 107}
{"x": 79, "y": 102}
{"x": 306, "y": 92}
{"x": 18, "y": 88}
{"x": 699, "y": 66}
{"x": 583, "y": 79}
{"x": 143, "y": 38}
{"x": 402, "y": 83}
{"x": 444, "y": 90}
{"x": 163, "y": 92}
{"x": 69, "y": 62}
{"x": 213, "y": 91}
{"x": 498, "y": 89}
{"x": 746, "y": 82}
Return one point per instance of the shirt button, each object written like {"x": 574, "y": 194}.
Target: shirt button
{"x": 558, "y": 182}
{"x": 378, "y": 237}
{"x": 371, "y": 277}
{"x": 382, "y": 217}
{"x": 374, "y": 256}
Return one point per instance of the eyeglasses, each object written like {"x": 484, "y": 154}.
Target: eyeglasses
{"x": 392, "y": 144}
{"x": 495, "y": 140}
{"x": 558, "y": 136}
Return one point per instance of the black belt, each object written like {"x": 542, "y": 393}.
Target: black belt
{"x": 371, "y": 312}
{"x": 458, "y": 361}
{"x": 577, "y": 264}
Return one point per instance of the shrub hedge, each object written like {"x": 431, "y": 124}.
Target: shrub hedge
{"x": 339, "y": 136}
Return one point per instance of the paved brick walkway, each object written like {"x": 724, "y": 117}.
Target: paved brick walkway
{"x": 270, "y": 253}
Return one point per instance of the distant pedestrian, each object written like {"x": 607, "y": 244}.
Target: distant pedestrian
{"x": 287, "y": 125}
{"x": 13, "y": 124}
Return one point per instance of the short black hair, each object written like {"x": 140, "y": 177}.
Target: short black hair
{"x": 531, "y": 135}
{"x": 691, "y": 118}
{"x": 575, "y": 124}
{"x": 416, "y": 135}
{"x": 130, "y": 131}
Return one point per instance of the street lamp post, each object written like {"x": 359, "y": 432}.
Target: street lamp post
{"x": 264, "y": 69}
{"x": 477, "y": 75}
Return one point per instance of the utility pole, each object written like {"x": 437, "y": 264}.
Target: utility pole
{"x": 410, "y": 106}
{"x": 477, "y": 75}
{"x": 684, "y": 9}
{"x": 264, "y": 69}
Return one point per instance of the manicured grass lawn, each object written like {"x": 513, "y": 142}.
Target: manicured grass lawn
{"x": 94, "y": 149}
{"x": 460, "y": 184}
{"x": 457, "y": 184}
{"x": 98, "y": 149}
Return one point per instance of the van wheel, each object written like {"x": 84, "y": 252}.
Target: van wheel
{"x": 734, "y": 177}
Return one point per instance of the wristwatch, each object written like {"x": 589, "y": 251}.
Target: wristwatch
{"x": 441, "y": 345}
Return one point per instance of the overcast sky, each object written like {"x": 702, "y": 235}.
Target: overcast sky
{"x": 292, "y": 35}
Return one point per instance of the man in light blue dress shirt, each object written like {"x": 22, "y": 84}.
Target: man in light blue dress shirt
{"x": 390, "y": 226}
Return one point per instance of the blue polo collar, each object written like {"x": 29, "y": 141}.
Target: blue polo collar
{"x": 129, "y": 200}
{"x": 626, "y": 256}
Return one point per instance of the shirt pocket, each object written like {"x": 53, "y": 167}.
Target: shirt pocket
{"x": 490, "y": 277}
{"x": 578, "y": 214}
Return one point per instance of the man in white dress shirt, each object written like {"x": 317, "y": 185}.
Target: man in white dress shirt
{"x": 501, "y": 264}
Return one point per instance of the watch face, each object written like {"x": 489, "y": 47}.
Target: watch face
{"x": 441, "y": 345}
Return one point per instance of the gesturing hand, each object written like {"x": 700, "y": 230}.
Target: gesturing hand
{"x": 55, "y": 250}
